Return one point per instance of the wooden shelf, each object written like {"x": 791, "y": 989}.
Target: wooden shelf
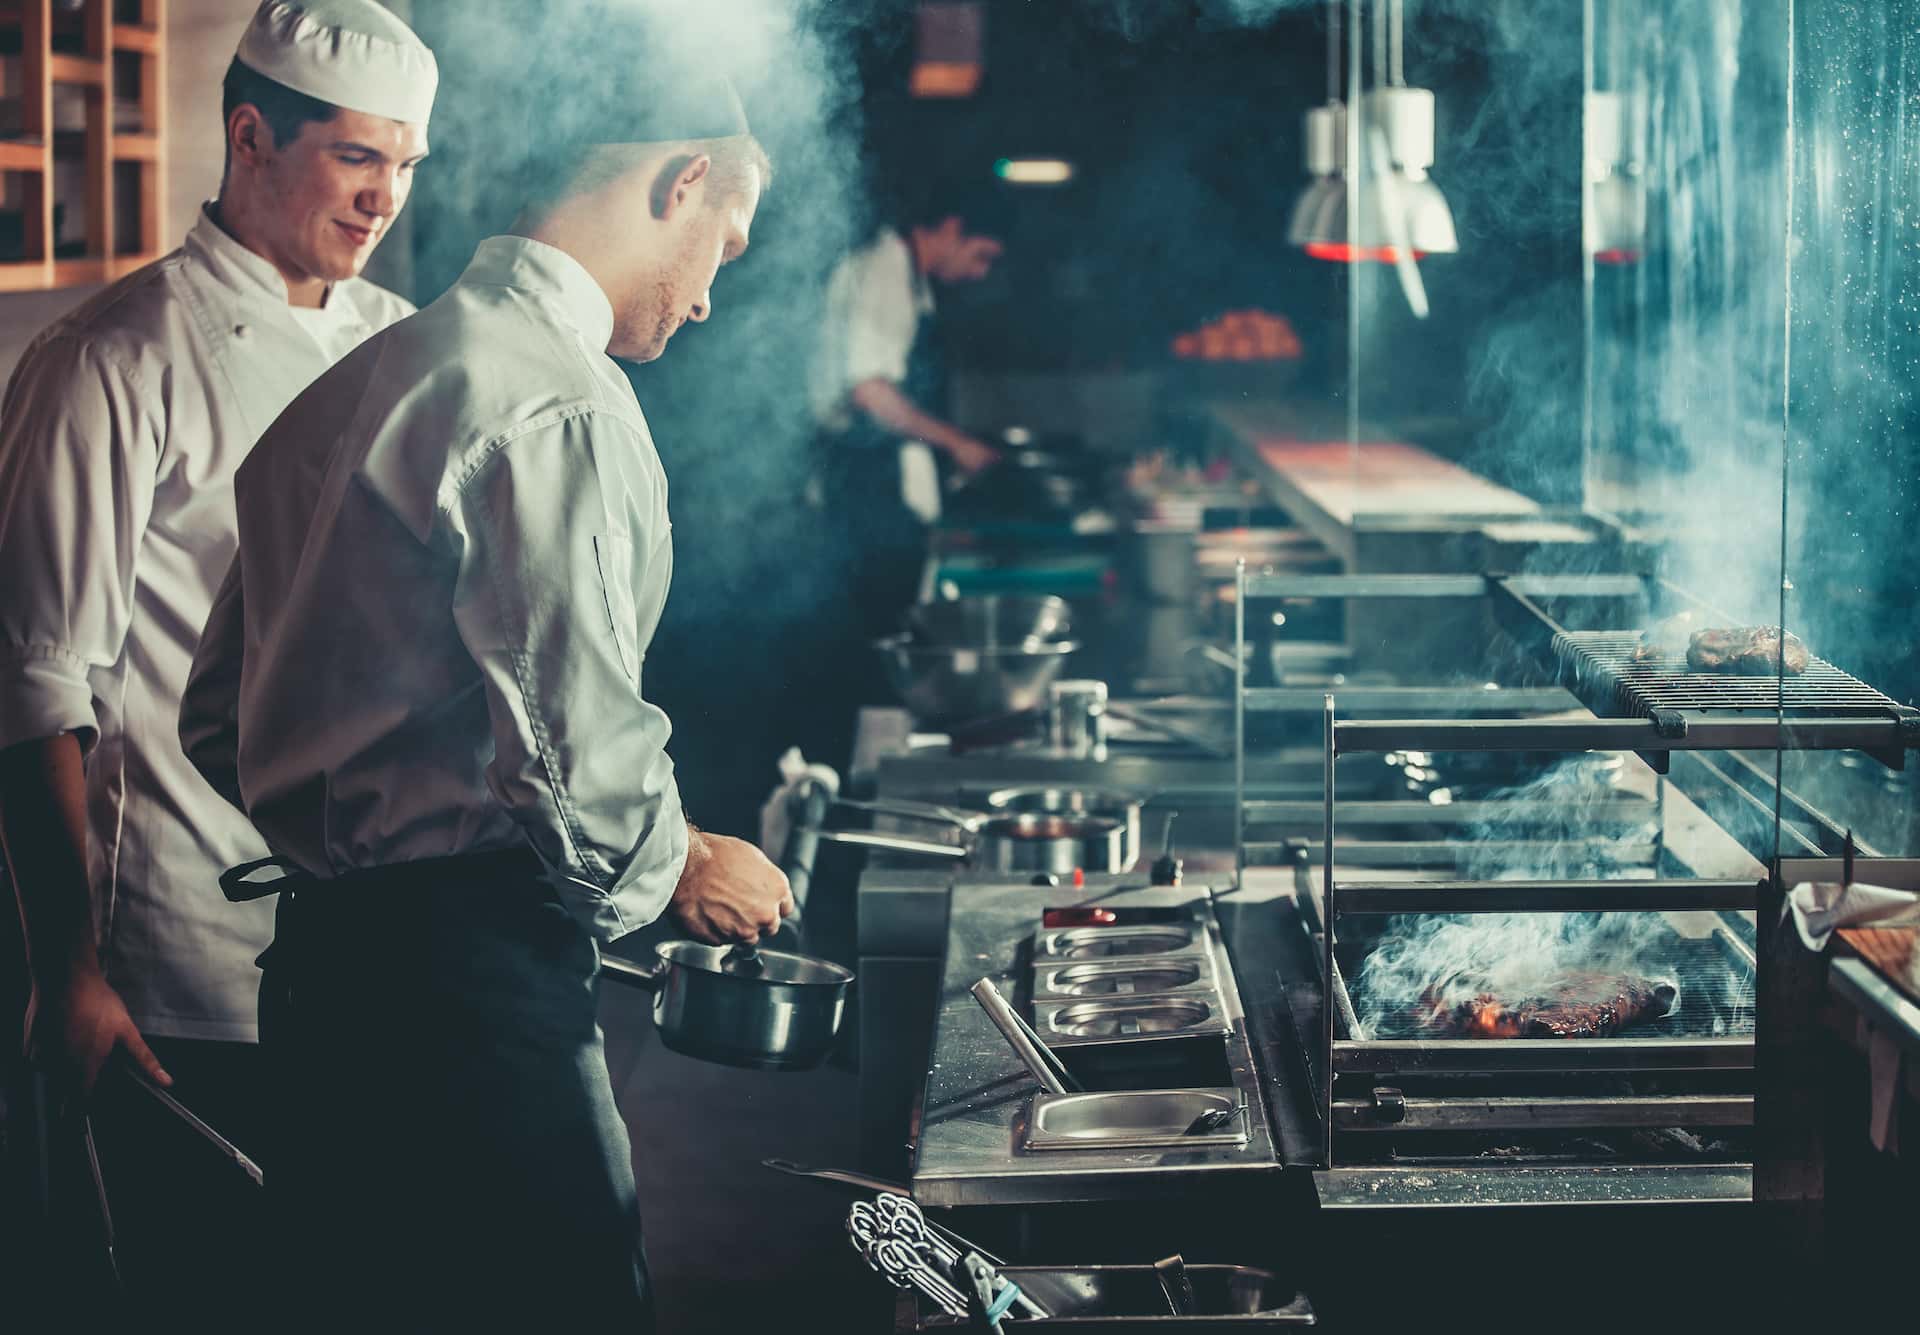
{"x": 79, "y": 272}
{"x": 77, "y": 69}
{"x": 132, "y": 146}
{"x": 24, "y": 276}
{"x": 22, "y": 155}
{"x": 127, "y": 37}
{"x": 125, "y": 164}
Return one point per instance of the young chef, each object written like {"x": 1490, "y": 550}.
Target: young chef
{"x": 422, "y": 680}
{"x": 122, "y": 427}
{"x": 876, "y": 395}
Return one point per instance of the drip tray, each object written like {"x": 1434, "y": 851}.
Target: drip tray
{"x": 1133, "y": 1119}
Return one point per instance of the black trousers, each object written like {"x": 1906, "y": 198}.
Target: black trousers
{"x": 451, "y": 1152}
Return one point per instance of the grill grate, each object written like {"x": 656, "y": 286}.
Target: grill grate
{"x": 1599, "y": 666}
{"x": 1716, "y": 999}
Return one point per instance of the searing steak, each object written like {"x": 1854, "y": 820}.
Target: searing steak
{"x": 1591, "y": 1005}
{"x": 1751, "y": 651}
{"x": 1664, "y": 639}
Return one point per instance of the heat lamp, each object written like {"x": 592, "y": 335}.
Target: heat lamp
{"x": 1401, "y": 206}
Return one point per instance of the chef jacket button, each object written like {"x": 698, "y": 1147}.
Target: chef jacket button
{"x": 239, "y": 331}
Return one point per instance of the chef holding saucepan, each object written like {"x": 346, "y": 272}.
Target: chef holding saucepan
{"x": 423, "y": 681}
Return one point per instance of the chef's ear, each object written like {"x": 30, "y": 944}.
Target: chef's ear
{"x": 674, "y": 186}
{"x": 249, "y": 137}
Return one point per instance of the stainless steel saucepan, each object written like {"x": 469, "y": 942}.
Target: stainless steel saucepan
{"x": 765, "y": 1009}
{"x": 1041, "y": 841}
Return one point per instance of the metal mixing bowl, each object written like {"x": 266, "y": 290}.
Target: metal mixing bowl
{"x": 970, "y": 658}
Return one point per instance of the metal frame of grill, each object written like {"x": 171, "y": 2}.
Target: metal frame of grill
{"x": 1833, "y": 712}
{"x": 1467, "y": 1085}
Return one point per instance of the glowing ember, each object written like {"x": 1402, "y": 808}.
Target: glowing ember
{"x": 1580, "y": 1006}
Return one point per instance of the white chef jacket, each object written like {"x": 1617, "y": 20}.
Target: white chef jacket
{"x": 454, "y": 550}
{"x": 876, "y": 300}
{"x": 120, "y": 433}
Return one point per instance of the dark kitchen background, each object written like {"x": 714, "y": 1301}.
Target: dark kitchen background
{"x": 1182, "y": 122}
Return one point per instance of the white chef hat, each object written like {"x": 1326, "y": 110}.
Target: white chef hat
{"x": 349, "y": 53}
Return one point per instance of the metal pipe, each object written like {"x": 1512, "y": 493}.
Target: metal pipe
{"x": 1549, "y": 896}
{"x": 1613, "y": 814}
{"x": 1523, "y": 854}
{"x": 1543, "y": 1054}
{"x": 1329, "y": 969}
{"x": 1702, "y": 733}
{"x": 1366, "y": 586}
{"x": 1548, "y": 1113}
{"x": 1414, "y": 699}
{"x": 1239, "y": 722}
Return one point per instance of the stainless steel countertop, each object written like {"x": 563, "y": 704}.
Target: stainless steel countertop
{"x": 977, "y": 1092}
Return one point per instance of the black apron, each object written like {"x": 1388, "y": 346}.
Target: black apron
{"x": 452, "y": 1150}
{"x": 884, "y": 544}
{"x": 876, "y": 555}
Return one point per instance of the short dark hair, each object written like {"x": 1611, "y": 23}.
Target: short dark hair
{"x": 285, "y": 111}
{"x": 579, "y": 168}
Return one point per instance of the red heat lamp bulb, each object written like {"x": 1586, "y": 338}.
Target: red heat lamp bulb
{"x": 1341, "y": 253}
{"x": 1616, "y": 256}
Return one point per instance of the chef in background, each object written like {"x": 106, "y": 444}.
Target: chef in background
{"x": 119, "y": 437}
{"x": 423, "y": 679}
{"x": 878, "y": 401}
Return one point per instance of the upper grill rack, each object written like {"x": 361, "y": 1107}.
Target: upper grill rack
{"x": 1600, "y": 667}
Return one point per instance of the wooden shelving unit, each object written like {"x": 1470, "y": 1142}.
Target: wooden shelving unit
{"x": 110, "y": 51}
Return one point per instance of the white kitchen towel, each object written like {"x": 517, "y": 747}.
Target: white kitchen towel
{"x": 776, "y": 821}
{"x": 1883, "y": 1065}
{"x": 1820, "y": 908}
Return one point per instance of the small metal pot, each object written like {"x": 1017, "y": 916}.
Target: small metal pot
{"x": 1100, "y": 805}
{"x": 738, "y": 1006}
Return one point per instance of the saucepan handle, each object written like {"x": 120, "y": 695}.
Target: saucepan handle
{"x": 893, "y": 843}
{"x": 628, "y": 974}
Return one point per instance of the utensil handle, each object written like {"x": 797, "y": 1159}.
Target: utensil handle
{"x": 932, "y": 812}
{"x": 185, "y": 1114}
{"x": 894, "y": 843}
{"x": 628, "y": 974}
{"x": 1011, "y": 1029}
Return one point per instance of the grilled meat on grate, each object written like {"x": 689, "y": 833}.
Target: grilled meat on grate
{"x": 1752, "y": 651}
{"x": 1588, "y": 1005}
{"x": 1664, "y": 639}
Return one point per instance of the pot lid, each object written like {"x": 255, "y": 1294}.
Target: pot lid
{"x": 762, "y": 966}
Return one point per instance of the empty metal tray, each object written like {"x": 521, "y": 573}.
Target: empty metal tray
{"x": 1095, "y": 943}
{"x": 1130, "y": 1019}
{"x": 1133, "y": 1119}
{"x": 1137, "y": 976}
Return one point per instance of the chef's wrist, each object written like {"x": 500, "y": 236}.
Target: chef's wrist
{"x": 699, "y": 850}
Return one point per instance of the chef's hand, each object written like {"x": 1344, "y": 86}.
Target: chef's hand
{"x": 73, "y": 1028}
{"x": 970, "y": 455}
{"x": 729, "y": 891}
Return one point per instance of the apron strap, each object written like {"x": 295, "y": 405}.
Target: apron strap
{"x": 238, "y": 889}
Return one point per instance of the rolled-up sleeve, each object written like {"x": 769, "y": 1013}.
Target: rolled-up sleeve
{"x": 78, "y": 458}
{"x": 210, "y": 705}
{"x": 564, "y": 561}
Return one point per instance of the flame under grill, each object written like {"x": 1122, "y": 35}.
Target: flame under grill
{"x": 1599, "y": 666}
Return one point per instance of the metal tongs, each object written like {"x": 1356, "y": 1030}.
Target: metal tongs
{"x": 185, "y": 1114}
{"x": 1027, "y": 1045}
